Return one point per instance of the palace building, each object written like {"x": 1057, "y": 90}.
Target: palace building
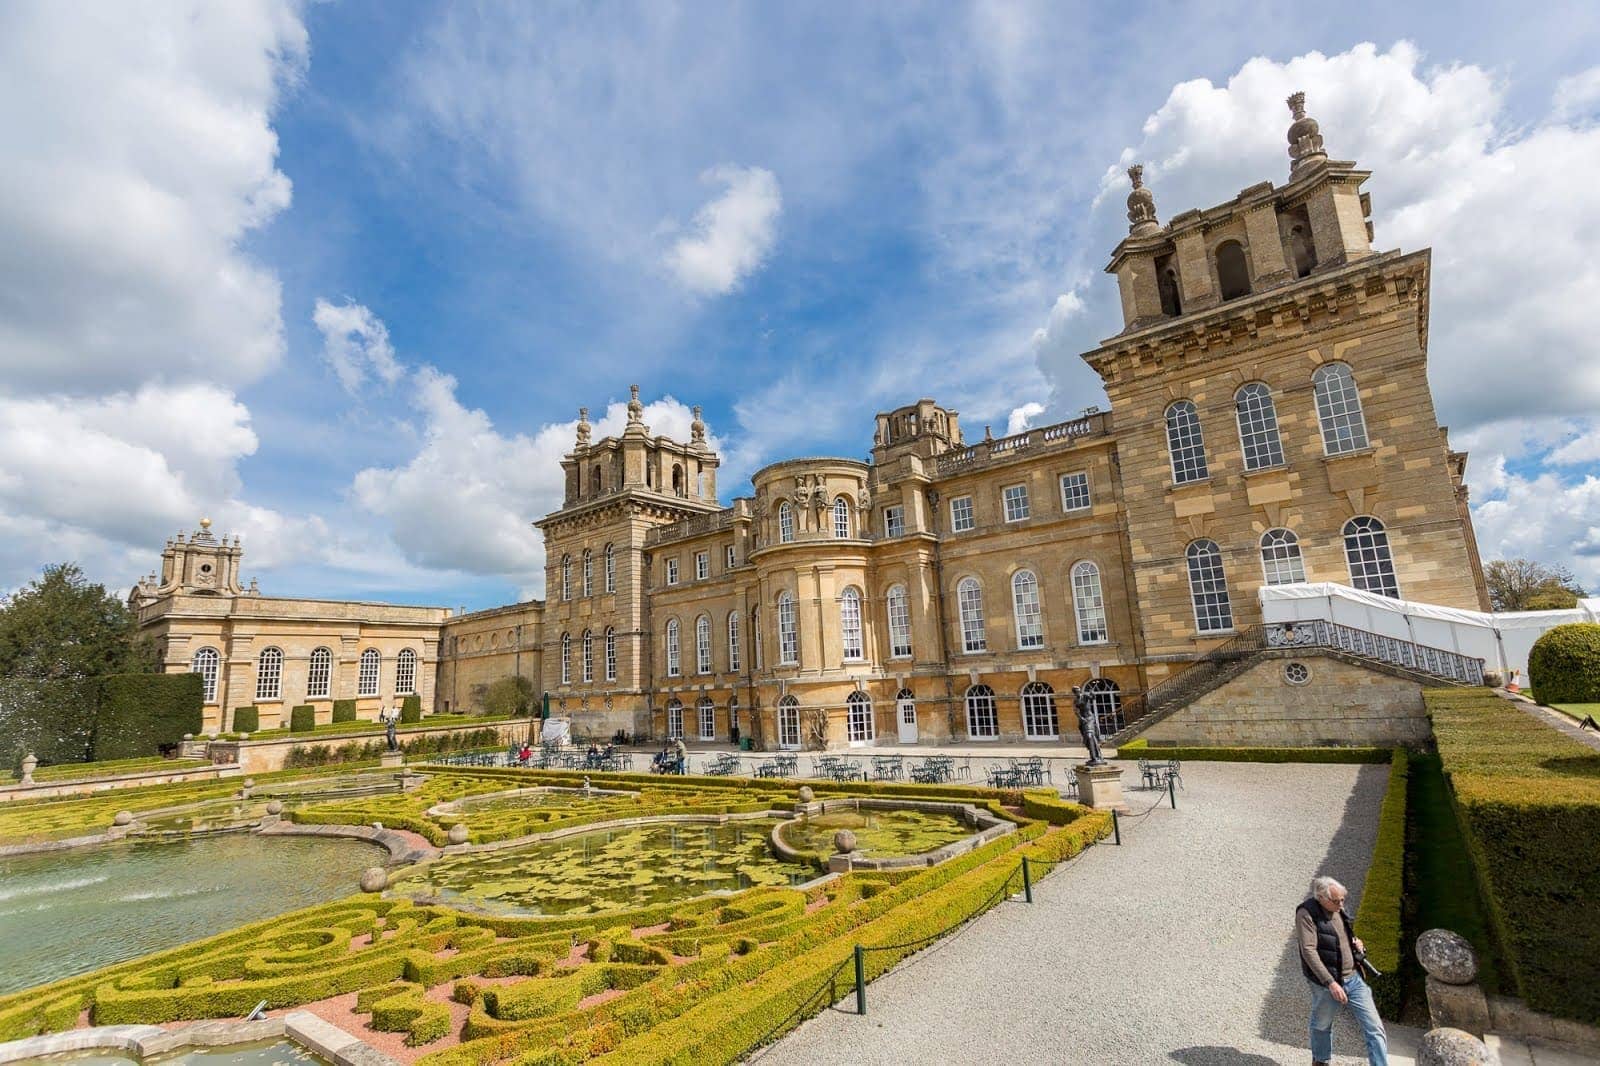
{"x": 1270, "y": 422}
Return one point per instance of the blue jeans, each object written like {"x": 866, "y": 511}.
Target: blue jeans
{"x": 1323, "y": 1008}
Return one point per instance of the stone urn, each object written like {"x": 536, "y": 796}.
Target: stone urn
{"x": 457, "y": 834}
{"x": 122, "y": 818}
{"x": 374, "y": 879}
{"x": 1453, "y": 1047}
{"x": 844, "y": 842}
{"x": 29, "y": 763}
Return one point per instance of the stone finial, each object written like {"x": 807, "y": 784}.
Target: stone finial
{"x": 205, "y": 524}
{"x": 697, "y": 428}
{"x": 122, "y": 818}
{"x": 806, "y": 795}
{"x": 29, "y": 763}
{"x": 458, "y": 833}
{"x": 844, "y": 842}
{"x": 583, "y": 426}
{"x": 1447, "y": 956}
{"x": 374, "y": 879}
{"x": 1305, "y": 142}
{"x": 1454, "y": 1047}
{"x": 1141, "y": 205}
{"x": 635, "y": 408}
{"x": 274, "y": 807}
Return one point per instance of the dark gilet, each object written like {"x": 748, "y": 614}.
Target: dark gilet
{"x": 1327, "y": 939}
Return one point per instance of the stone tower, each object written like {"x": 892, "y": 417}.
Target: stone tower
{"x": 596, "y": 642}
{"x": 1273, "y": 415}
{"x": 197, "y": 565}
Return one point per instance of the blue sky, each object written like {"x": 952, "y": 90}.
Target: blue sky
{"x": 339, "y": 275}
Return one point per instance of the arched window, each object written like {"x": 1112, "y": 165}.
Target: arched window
{"x": 588, "y": 656}
{"x": 734, "y": 663}
{"x": 850, "y": 623}
{"x": 1089, "y": 604}
{"x": 588, "y": 572}
{"x": 1168, "y": 289}
{"x": 1185, "y": 443}
{"x": 1344, "y": 429}
{"x": 319, "y": 674}
{"x": 566, "y": 577}
{"x": 1302, "y": 251}
{"x": 969, "y": 604}
{"x": 1106, "y": 702}
{"x": 674, "y": 663}
{"x": 755, "y": 633}
{"x": 1280, "y": 558}
{"x": 596, "y": 481}
{"x": 206, "y": 663}
{"x": 1039, "y": 719}
{"x": 269, "y": 674}
{"x": 1233, "y": 274}
{"x": 1025, "y": 609}
{"x": 674, "y": 718}
{"x": 611, "y": 654}
{"x": 367, "y": 673}
{"x": 859, "y": 726}
{"x": 982, "y": 721}
{"x": 611, "y": 569}
{"x": 1208, "y": 587}
{"x": 785, "y": 523}
{"x": 1366, "y": 549}
{"x": 899, "y": 622}
{"x": 702, "y": 645}
{"x": 788, "y": 722}
{"x": 566, "y": 658}
{"x": 707, "y": 713}
{"x": 1258, "y": 427}
{"x": 788, "y": 630}
{"x": 841, "y": 517}
{"x": 405, "y": 673}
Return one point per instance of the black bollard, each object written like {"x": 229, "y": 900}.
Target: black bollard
{"x": 861, "y": 979}
{"x": 1116, "y": 828}
{"x": 1172, "y": 791}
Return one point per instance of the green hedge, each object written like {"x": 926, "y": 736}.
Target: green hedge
{"x": 1380, "y": 921}
{"x": 1143, "y": 749}
{"x": 411, "y": 709}
{"x": 139, "y": 713}
{"x": 1564, "y": 664}
{"x": 344, "y": 710}
{"x": 302, "y": 719}
{"x": 246, "y": 719}
{"x": 120, "y": 716}
{"x": 1528, "y": 802}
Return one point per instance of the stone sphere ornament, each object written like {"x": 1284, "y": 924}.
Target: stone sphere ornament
{"x": 249, "y": 782}
{"x": 806, "y": 795}
{"x": 844, "y": 842}
{"x": 122, "y": 818}
{"x": 1454, "y": 1047}
{"x": 374, "y": 879}
{"x": 457, "y": 833}
{"x": 275, "y": 807}
{"x": 1447, "y": 956}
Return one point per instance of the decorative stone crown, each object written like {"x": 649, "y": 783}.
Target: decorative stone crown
{"x": 583, "y": 426}
{"x": 1305, "y": 140}
{"x": 697, "y": 428}
{"x": 1141, "y": 204}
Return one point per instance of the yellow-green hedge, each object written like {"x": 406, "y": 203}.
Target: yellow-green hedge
{"x": 1380, "y": 921}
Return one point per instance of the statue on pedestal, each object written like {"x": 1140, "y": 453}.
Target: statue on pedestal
{"x": 390, "y": 717}
{"x": 1088, "y": 724}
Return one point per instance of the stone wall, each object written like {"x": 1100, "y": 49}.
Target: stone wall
{"x": 261, "y": 756}
{"x": 1339, "y": 704}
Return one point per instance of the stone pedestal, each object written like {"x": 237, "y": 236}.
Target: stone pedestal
{"x": 29, "y": 764}
{"x": 391, "y": 759}
{"x": 1100, "y": 787}
{"x": 1463, "y": 1007}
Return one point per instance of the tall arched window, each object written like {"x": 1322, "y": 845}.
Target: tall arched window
{"x": 1366, "y": 549}
{"x": 269, "y": 674}
{"x": 206, "y": 663}
{"x": 707, "y": 713}
{"x": 788, "y": 630}
{"x": 785, "y": 523}
{"x": 1233, "y": 274}
{"x": 850, "y": 623}
{"x": 1344, "y": 429}
{"x": 405, "y": 673}
{"x": 367, "y": 673}
{"x": 899, "y": 609}
{"x": 1089, "y": 604}
{"x": 588, "y": 572}
{"x": 755, "y": 633}
{"x": 1258, "y": 426}
{"x": 1106, "y": 702}
{"x": 611, "y": 568}
{"x": 859, "y": 726}
{"x": 982, "y": 721}
{"x": 702, "y": 645}
{"x": 789, "y": 722}
{"x": 1039, "y": 719}
{"x": 566, "y": 658}
{"x": 1025, "y": 609}
{"x": 319, "y": 674}
{"x": 969, "y": 605}
{"x": 734, "y": 663}
{"x": 1208, "y": 587}
{"x": 841, "y": 517}
{"x": 587, "y": 644}
{"x": 674, "y": 649}
{"x": 611, "y": 654}
{"x": 1280, "y": 558}
{"x": 674, "y": 718}
{"x": 1186, "y": 443}
{"x": 596, "y": 481}
{"x": 566, "y": 577}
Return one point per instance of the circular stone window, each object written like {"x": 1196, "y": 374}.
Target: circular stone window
{"x": 205, "y": 568}
{"x": 1296, "y": 673}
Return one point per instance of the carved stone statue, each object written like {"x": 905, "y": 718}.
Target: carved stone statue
{"x": 391, "y": 726}
{"x": 1088, "y": 724}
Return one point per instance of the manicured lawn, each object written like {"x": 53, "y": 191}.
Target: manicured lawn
{"x": 362, "y": 726}
{"x": 1579, "y": 711}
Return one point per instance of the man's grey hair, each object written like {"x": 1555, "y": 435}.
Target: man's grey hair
{"x": 1321, "y": 886}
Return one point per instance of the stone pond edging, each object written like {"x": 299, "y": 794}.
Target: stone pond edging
{"x": 89, "y": 785}
{"x": 401, "y": 850}
{"x": 146, "y": 1041}
{"x": 988, "y": 825}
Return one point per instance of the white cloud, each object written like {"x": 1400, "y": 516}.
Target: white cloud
{"x": 732, "y": 234}
{"x": 1578, "y": 97}
{"x": 1022, "y": 417}
{"x": 139, "y": 155}
{"x": 355, "y": 343}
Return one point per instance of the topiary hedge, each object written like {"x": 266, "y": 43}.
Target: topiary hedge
{"x": 246, "y": 719}
{"x": 1564, "y": 665}
{"x": 411, "y": 709}
{"x": 138, "y": 714}
{"x": 1380, "y": 921}
{"x": 344, "y": 710}
{"x": 302, "y": 719}
{"x": 1143, "y": 749}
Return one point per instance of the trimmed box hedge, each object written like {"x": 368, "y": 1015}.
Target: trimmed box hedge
{"x": 1564, "y": 664}
{"x": 1143, "y": 749}
{"x": 1380, "y": 921}
{"x": 411, "y": 709}
{"x": 344, "y": 711}
{"x": 302, "y": 719}
{"x": 246, "y": 719}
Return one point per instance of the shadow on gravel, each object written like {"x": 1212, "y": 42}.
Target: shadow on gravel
{"x": 1217, "y": 1055}
{"x": 1283, "y": 1014}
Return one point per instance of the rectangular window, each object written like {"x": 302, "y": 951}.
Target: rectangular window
{"x": 894, "y": 521}
{"x": 708, "y": 720}
{"x": 728, "y": 558}
{"x": 1016, "y": 501}
{"x": 611, "y": 655}
{"x": 1075, "y": 492}
{"x": 672, "y": 571}
{"x": 702, "y": 565}
{"x": 961, "y": 514}
{"x": 734, "y": 666}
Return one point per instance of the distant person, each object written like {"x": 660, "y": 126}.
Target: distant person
{"x": 680, "y": 755}
{"x": 525, "y": 754}
{"x": 1331, "y": 956}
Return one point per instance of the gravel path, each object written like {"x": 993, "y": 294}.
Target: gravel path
{"x": 1172, "y": 948}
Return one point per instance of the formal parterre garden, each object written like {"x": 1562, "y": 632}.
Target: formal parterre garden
{"x": 607, "y": 917}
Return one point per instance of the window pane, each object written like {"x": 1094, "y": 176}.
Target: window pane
{"x": 734, "y": 665}
{"x": 588, "y": 656}
{"x": 894, "y": 521}
{"x": 1025, "y": 608}
{"x": 969, "y": 598}
{"x": 961, "y": 514}
{"x": 1366, "y": 549}
{"x": 1208, "y": 588}
{"x": 319, "y": 677}
{"x": 1016, "y": 502}
{"x": 785, "y": 523}
{"x": 1075, "y": 492}
{"x": 850, "y": 624}
{"x": 269, "y": 674}
{"x": 858, "y": 719}
{"x": 405, "y": 672}
{"x": 899, "y": 622}
{"x": 1186, "y": 443}
{"x": 1280, "y": 558}
{"x": 1339, "y": 409}
{"x": 841, "y": 518}
{"x": 788, "y": 631}
{"x": 1089, "y": 604}
{"x": 702, "y": 645}
{"x": 674, "y": 662}
{"x": 1039, "y": 718}
{"x": 1258, "y": 427}
{"x": 611, "y": 655}
{"x": 982, "y": 721}
{"x": 611, "y": 569}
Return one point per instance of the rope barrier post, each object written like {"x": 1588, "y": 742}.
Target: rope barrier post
{"x": 1116, "y": 828}
{"x": 861, "y": 979}
{"x": 1172, "y": 791}
{"x": 1027, "y": 881}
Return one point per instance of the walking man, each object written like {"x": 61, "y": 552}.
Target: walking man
{"x": 1330, "y": 957}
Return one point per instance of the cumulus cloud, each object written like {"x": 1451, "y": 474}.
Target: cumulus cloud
{"x": 1022, "y": 417}
{"x": 732, "y": 235}
{"x": 356, "y": 343}
{"x": 1578, "y": 97}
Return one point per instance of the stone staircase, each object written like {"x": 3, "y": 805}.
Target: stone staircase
{"x": 1430, "y": 666}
